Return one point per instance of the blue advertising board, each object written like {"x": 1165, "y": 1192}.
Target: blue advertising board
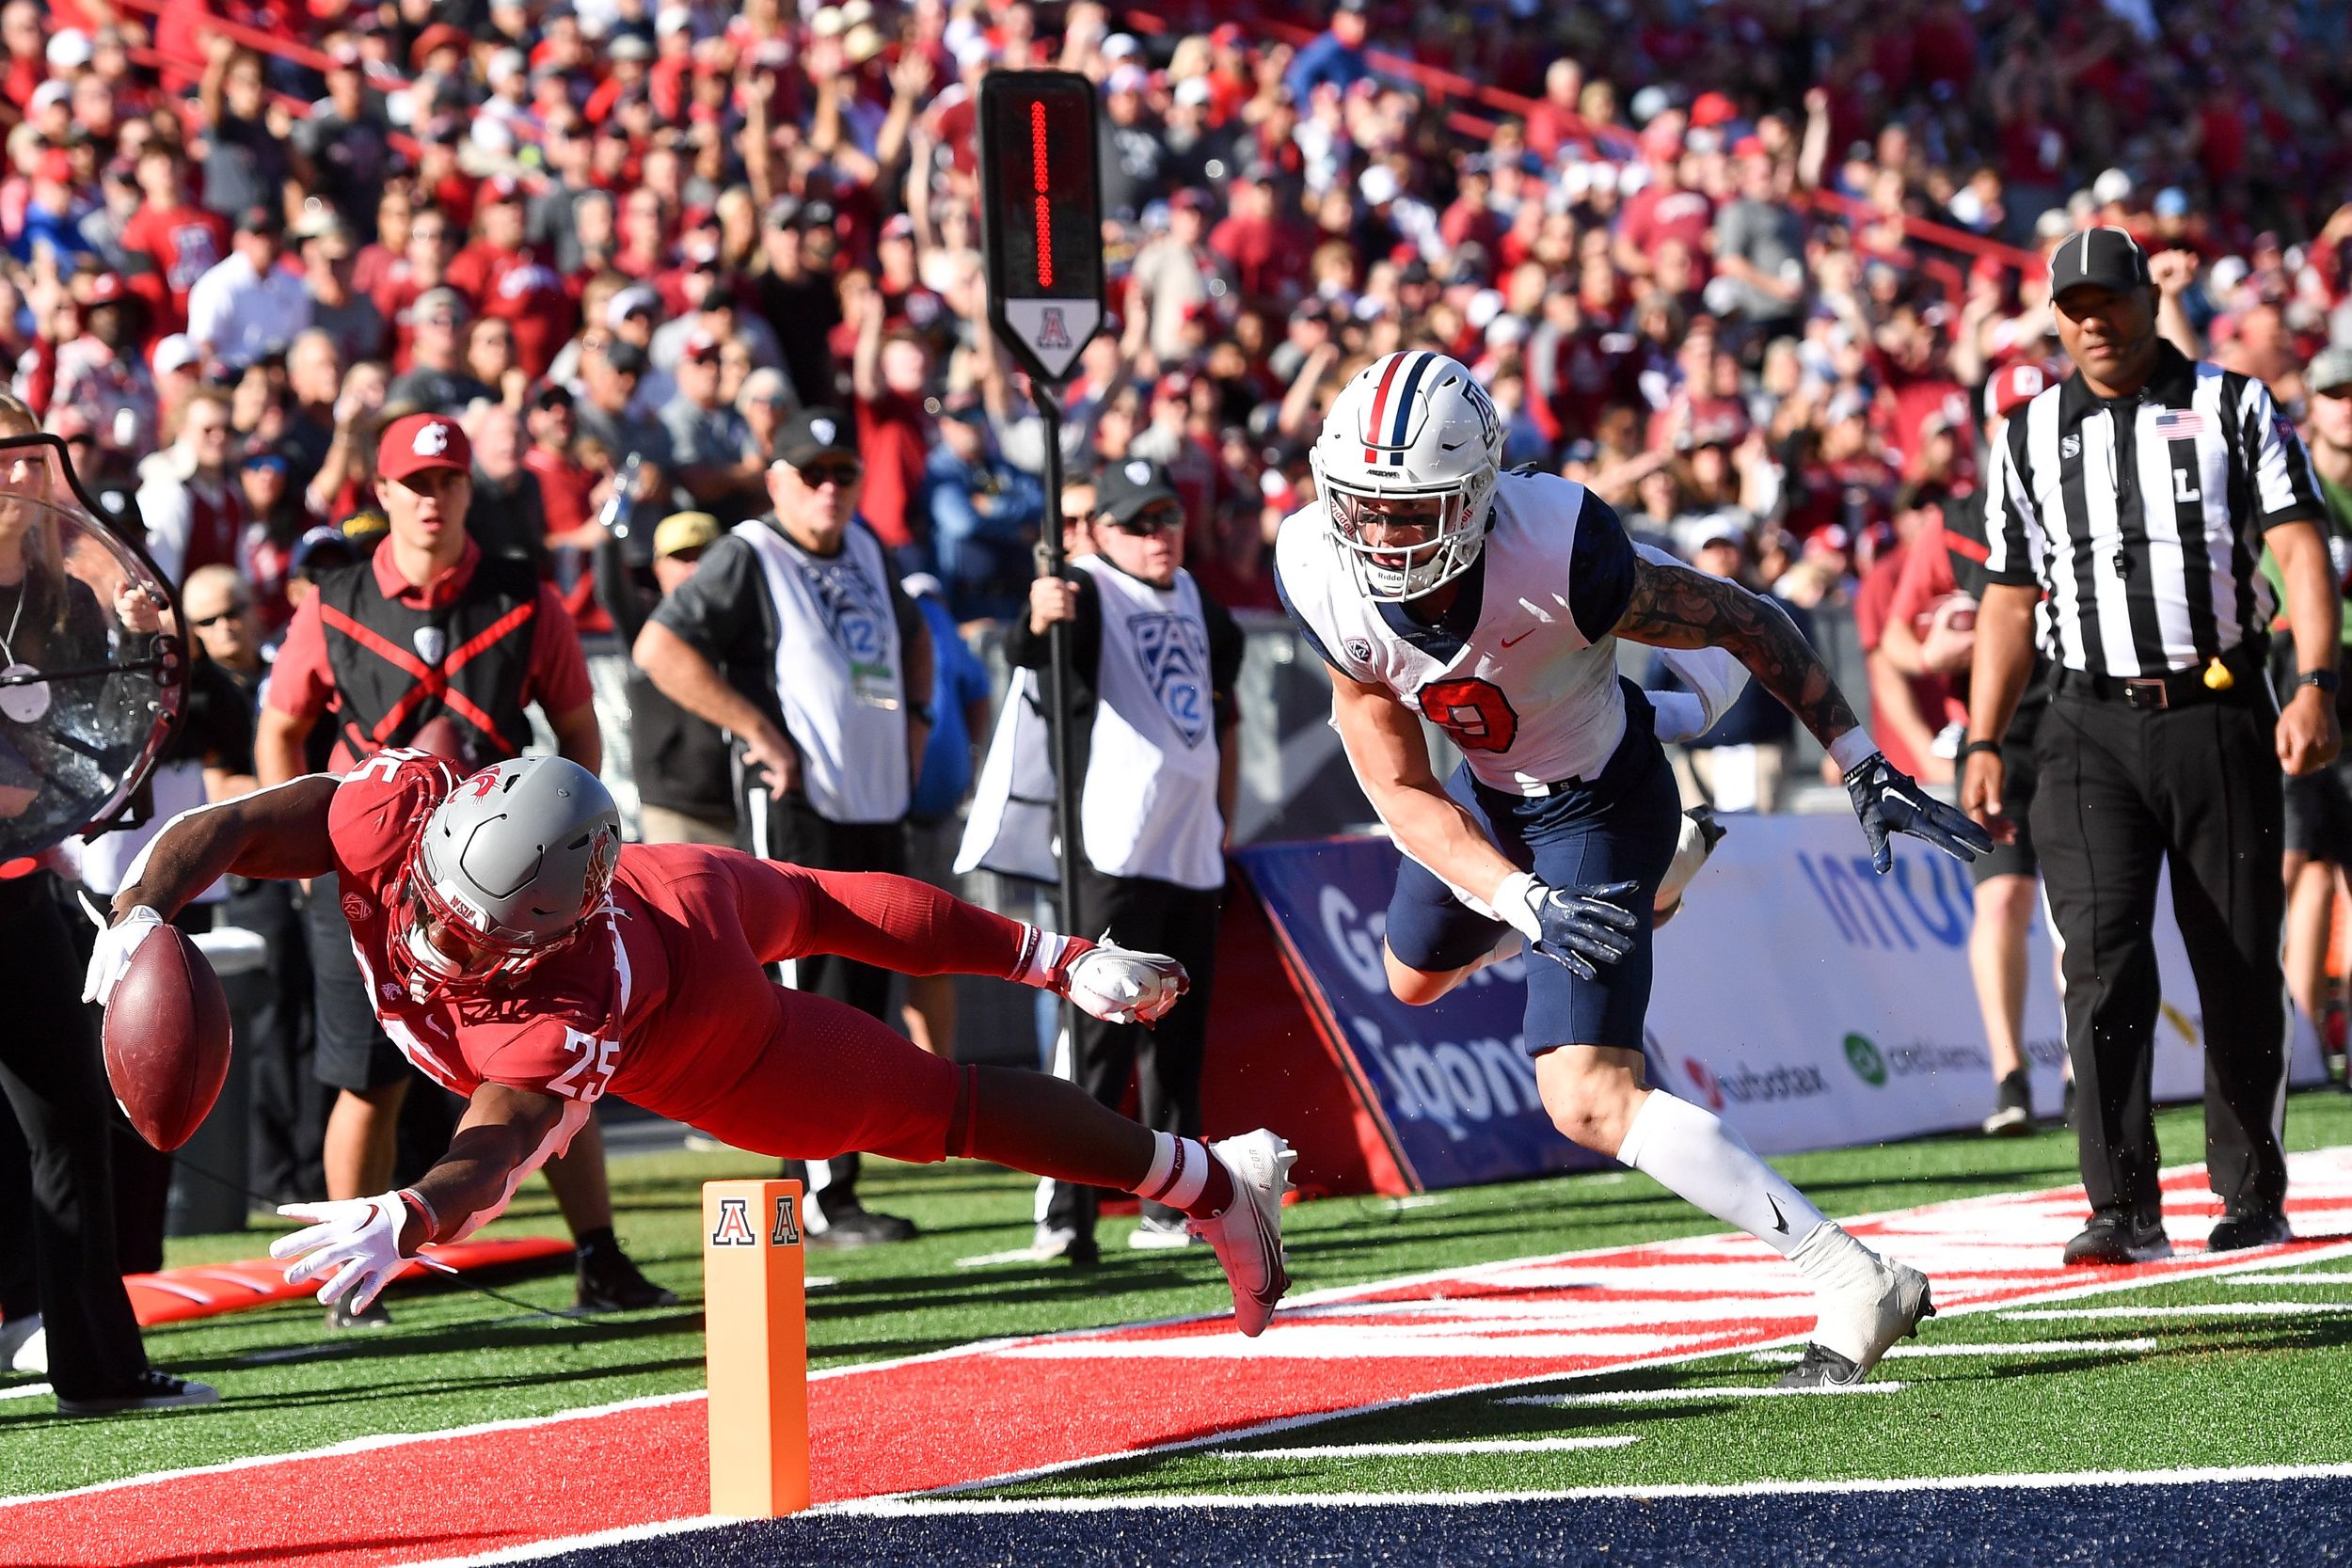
{"x": 1451, "y": 1081}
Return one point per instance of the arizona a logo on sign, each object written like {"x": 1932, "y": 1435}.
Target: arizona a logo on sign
{"x": 1174, "y": 653}
{"x": 787, "y": 1227}
{"x": 1052, "y": 331}
{"x": 735, "y": 1224}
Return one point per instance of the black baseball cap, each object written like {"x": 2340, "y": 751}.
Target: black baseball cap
{"x": 1123, "y": 489}
{"x": 817, "y": 432}
{"x": 2109, "y": 257}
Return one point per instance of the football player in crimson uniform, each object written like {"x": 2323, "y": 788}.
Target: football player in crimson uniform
{"x": 521, "y": 956}
{"x": 1437, "y": 587}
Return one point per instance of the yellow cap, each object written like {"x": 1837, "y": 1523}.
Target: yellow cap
{"x": 684, "y": 530}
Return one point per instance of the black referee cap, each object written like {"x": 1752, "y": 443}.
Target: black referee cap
{"x": 2110, "y": 258}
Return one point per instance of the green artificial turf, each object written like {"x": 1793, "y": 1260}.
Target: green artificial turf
{"x": 2274, "y": 1392}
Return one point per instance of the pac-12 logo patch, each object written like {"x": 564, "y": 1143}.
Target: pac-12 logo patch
{"x": 735, "y": 1224}
{"x": 431, "y": 643}
{"x": 355, "y": 906}
{"x": 1174, "y": 653}
{"x": 1358, "y": 649}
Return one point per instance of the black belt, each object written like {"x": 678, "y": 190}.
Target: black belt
{"x": 2176, "y": 689}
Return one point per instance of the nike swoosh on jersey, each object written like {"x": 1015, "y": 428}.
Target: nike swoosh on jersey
{"x": 1522, "y": 637}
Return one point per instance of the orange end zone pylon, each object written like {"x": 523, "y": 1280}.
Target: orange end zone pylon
{"x": 756, "y": 1324}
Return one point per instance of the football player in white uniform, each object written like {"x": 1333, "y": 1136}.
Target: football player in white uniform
{"x": 1436, "y": 586}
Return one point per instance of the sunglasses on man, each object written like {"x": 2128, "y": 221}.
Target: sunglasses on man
{"x": 1159, "y": 518}
{"x": 842, "y": 472}
{"x": 232, "y": 613}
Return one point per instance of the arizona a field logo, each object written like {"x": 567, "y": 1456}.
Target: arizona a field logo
{"x": 787, "y": 1227}
{"x": 1174, "y": 653}
{"x": 735, "y": 1222}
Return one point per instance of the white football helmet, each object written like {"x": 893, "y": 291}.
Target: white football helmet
{"x": 1411, "y": 425}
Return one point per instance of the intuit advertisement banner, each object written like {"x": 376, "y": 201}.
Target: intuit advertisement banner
{"x": 1815, "y": 1004}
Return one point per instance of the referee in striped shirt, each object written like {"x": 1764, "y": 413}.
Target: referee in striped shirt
{"x": 2133, "y": 501}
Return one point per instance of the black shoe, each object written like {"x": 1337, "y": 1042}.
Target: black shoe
{"x": 340, "y": 1316}
{"x": 1822, "y": 1368}
{"x": 2012, "y": 1107}
{"x": 2254, "y": 1228}
{"x": 2113, "y": 1236}
{"x": 861, "y": 1227}
{"x": 153, "y": 1390}
{"x": 609, "y": 1282}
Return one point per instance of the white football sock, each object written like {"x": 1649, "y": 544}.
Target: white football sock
{"x": 1697, "y": 1157}
{"x": 1178, "y": 1173}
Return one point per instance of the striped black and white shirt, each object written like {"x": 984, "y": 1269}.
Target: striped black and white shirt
{"x": 2142, "y": 518}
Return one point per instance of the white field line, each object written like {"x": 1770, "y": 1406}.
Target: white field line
{"x": 2331, "y": 1278}
{"x": 30, "y": 1392}
{"x": 1678, "y": 1396}
{"x": 2217, "y": 1310}
{"x": 2038, "y": 1347}
{"x": 1432, "y": 1451}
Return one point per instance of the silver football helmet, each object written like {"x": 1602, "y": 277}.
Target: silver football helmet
{"x": 508, "y": 869}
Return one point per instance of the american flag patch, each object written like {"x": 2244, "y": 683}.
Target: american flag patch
{"x": 2179, "y": 424}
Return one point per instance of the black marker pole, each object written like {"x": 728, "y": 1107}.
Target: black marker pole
{"x": 1041, "y": 233}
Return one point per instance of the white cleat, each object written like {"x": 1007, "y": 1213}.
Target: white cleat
{"x": 1868, "y": 1303}
{"x": 23, "y": 1345}
{"x": 1247, "y": 1236}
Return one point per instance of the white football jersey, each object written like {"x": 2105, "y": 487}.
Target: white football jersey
{"x": 1521, "y": 671}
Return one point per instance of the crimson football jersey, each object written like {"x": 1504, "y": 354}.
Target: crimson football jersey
{"x": 664, "y": 999}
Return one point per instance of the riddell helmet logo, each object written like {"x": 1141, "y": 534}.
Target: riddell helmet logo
{"x": 432, "y": 440}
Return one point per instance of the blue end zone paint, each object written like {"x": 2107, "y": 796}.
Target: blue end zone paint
{"x": 2148, "y": 1526}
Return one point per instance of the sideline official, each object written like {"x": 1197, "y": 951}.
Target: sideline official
{"x": 794, "y": 637}
{"x": 428, "y": 632}
{"x": 1153, "y": 662}
{"x": 2138, "y": 495}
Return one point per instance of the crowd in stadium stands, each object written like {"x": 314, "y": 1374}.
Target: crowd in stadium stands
{"x": 1746, "y": 270}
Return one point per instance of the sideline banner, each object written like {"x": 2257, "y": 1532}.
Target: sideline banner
{"x": 1810, "y": 1002}
{"x": 1451, "y": 1082}
{"x": 1816, "y": 1005}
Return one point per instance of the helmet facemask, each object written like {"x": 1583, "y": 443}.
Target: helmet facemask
{"x": 436, "y": 949}
{"x": 1412, "y": 427}
{"x": 1394, "y": 570}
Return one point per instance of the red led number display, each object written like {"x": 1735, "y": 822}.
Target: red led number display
{"x": 1040, "y": 203}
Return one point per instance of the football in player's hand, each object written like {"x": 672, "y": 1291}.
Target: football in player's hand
{"x": 167, "y": 1038}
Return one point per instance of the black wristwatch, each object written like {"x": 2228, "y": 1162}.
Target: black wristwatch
{"x": 2327, "y": 680}
{"x": 1976, "y": 748}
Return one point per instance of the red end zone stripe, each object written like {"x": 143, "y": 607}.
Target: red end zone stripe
{"x": 989, "y": 1412}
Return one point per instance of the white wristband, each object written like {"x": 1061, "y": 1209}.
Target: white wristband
{"x": 1852, "y": 749}
{"x": 1515, "y": 901}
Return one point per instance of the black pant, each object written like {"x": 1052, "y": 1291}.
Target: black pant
{"x": 289, "y": 1101}
{"x": 1164, "y": 1060}
{"x": 2122, "y": 791}
{"x": 786, "y": 828}
{"x": 55, "y": 1083}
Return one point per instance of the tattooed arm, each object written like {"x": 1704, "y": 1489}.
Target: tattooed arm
{"x": 1673, "y": 607}
{"x": 1677, "y": 607}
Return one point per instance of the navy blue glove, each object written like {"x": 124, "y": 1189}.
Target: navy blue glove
{"x": 1575, "y": 928}
{"x": 1890, "y": 800}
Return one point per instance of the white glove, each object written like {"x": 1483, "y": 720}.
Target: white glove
{"x": 1120, "y": 985}
{"x": 112, "y": 956}
{"x": 358, "y": 1238}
